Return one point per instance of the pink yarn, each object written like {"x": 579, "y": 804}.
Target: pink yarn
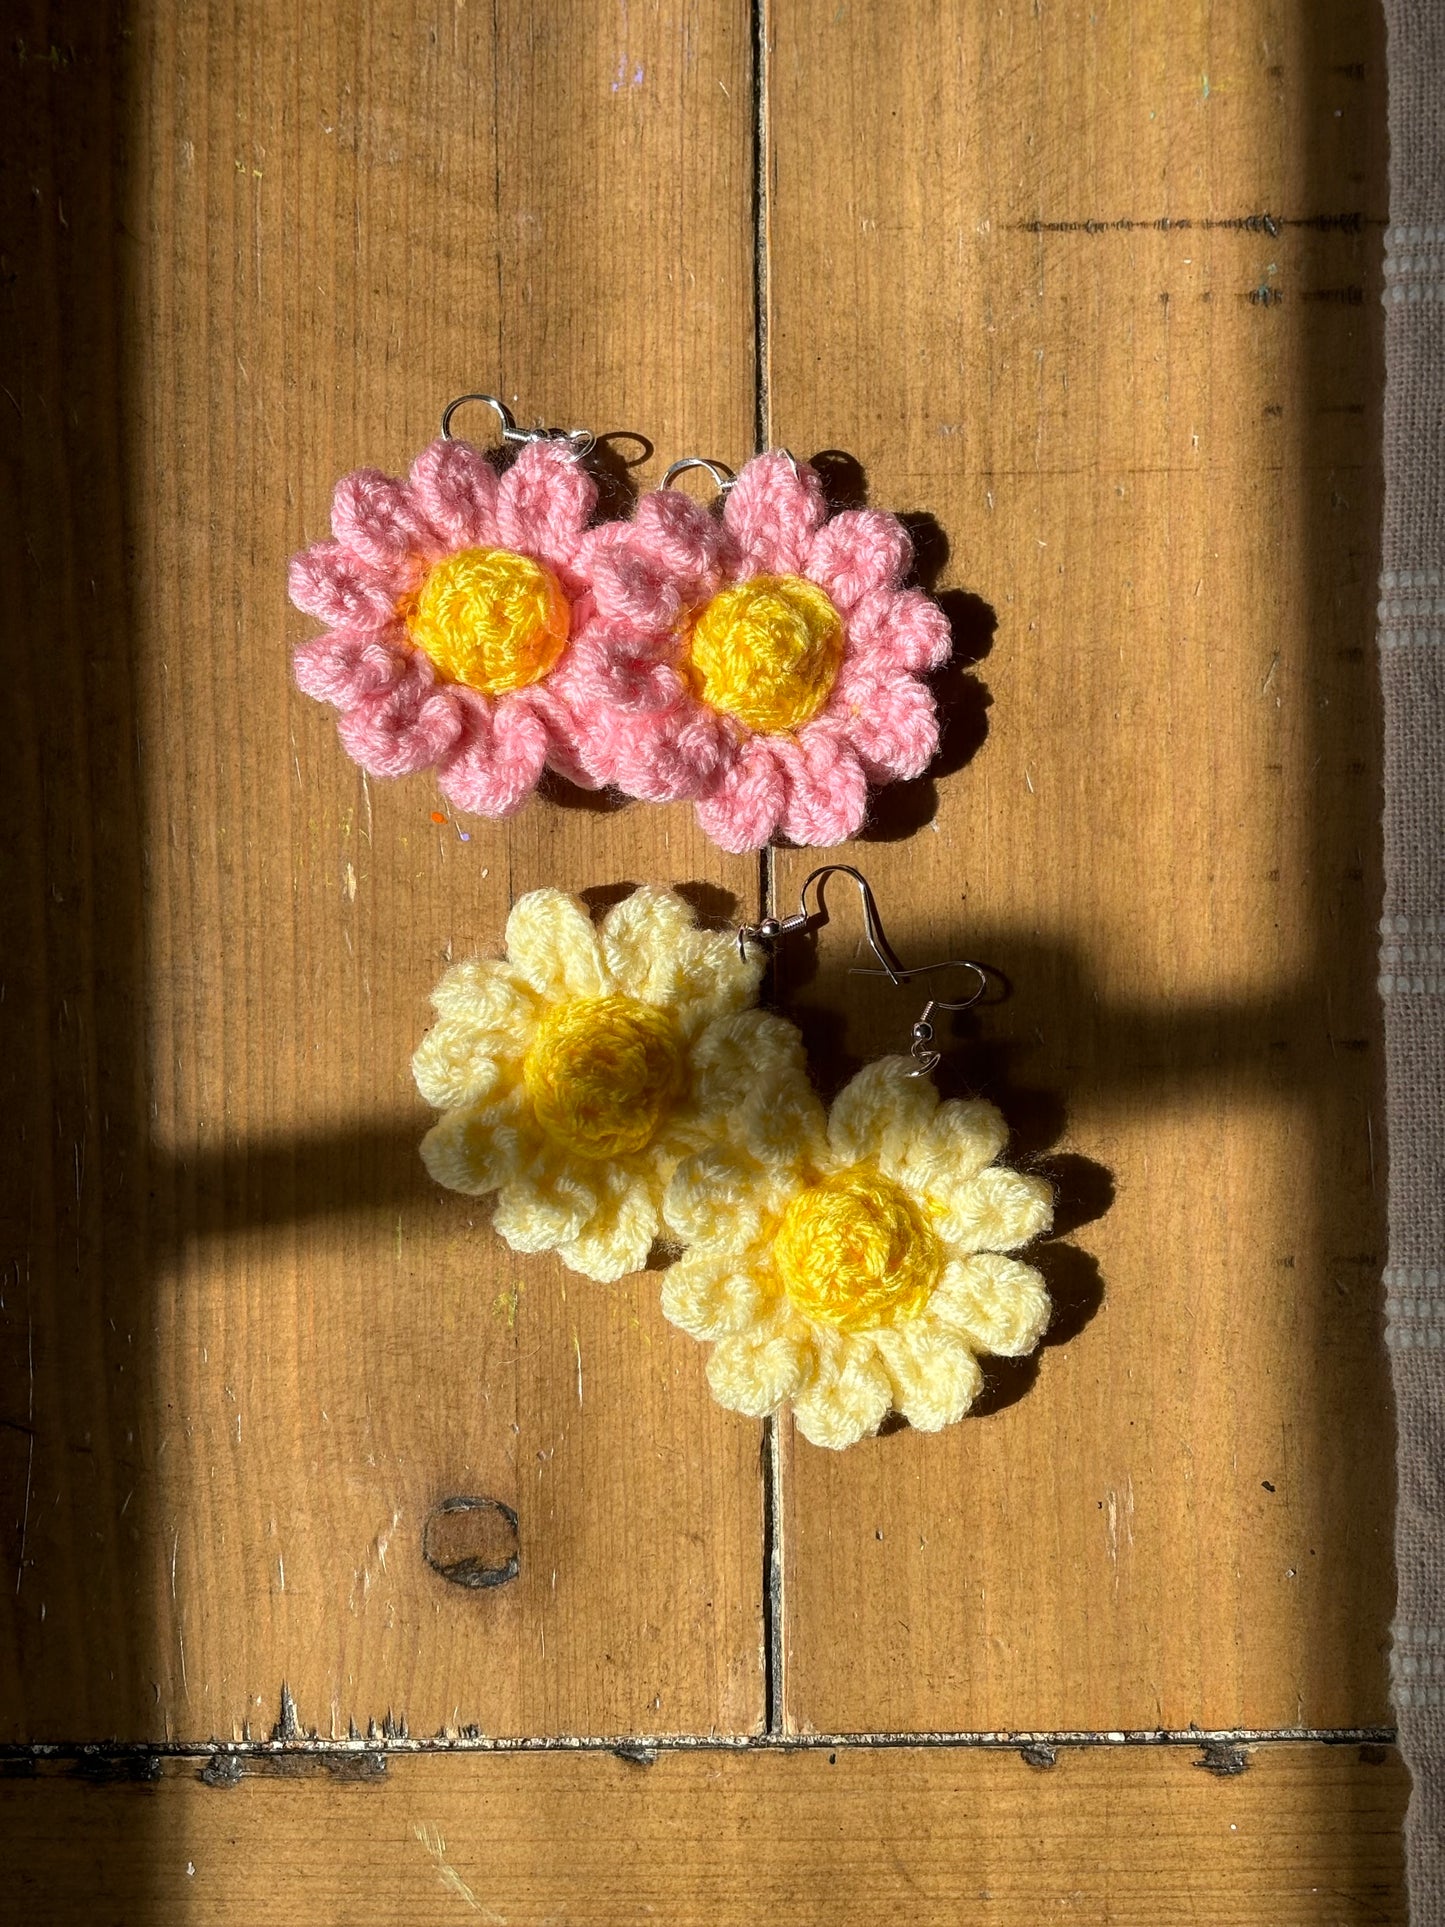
{"x": 616, "y": 708}
{"x": 396, "y": 716}
{"x": 644, "y": 730}
{"x": 413, "y": 725}
{"x": 502, "y": 752}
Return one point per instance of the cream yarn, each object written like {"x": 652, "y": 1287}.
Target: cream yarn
{"x": 574, "y": 1072}
{"x": 611, "y": 1083}
{"x": 866, "y": 1272}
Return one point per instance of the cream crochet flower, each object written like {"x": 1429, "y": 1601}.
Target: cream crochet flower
{"x": 574, "y": 1073}
{"x": 855, "y": 1264}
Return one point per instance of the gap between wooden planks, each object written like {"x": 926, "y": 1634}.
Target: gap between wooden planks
{"x": 1303, "y": 1835}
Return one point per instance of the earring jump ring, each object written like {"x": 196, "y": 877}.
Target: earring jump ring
{"x": 721, "y": 474}
{"x": 505, "y": 420}
{"x": 719, "y": 471}
{"x": 581, "y": 440}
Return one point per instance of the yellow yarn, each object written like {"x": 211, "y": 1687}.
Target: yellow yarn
{"x": 491, "y": 619}
{"x": 767, "y": 652}
{"x": 855, "y": 1251}
{"x": 602, "y": 1072}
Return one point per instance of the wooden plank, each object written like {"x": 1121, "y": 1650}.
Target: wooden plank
{"x": 249, "y": 1346}
{"x": 1096, "y": 289}
{"x": 1306, "y": 1834}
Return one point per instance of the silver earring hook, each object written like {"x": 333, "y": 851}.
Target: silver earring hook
{"x": 719, "y": 471}
{"x": 897, "y": 973}
{"x": 771, "y": 928}
{"x": 920, "y": 1049}
{"x": 581, "y": 440}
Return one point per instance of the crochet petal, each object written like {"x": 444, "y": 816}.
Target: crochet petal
{"x": 456, "y": 1063}
{"x": 849, "y": 1396}
{"x": 858, "y": 551}
{"x": 600, "y": 540}
{"x": 711, "y": 1295}
{"x": 715, "y": 978}
{"x": 934, "y": 1375}
{"x": 750, "y": 1069}
{"x": 637, "y": 725}
{"x": 754, "y": 1372}
{"x": 729, "y": 1052}
{"x": 498, "y": 758}
{"x": 700, "y": 973}
{"x": 642, "y": 939}
{"x": 827, "y": 791}
{"x": 903, "y": 630}
{"x": 455, "y": 487}
{"x": 474, "y": 1149}
{"x": 683, "y": 539}
{"x": 996, "y": 1304}
{"x": 773, "y": 511}
{"x": 378, "y": 520}
{"x": 329, "y": 582}
{"x": 636, "y": 592}
{"x": 618, "y": 1236}
{"x": 891, "y": 721}
{"x": 999, "y": 1210}
{"x": 542, "y": 1210}
{"x": 411, "y": 726}
{"x": 552, "y": 945}
{"x": 784, "y": 1126}
{"x": 878, "y": 1115}
{"x": 607, "y": 669}
{"x": 550, "y": 704}
{"x": 543, "y": 502}
{"x": 654, "y": 950}
{"x": 714, "y": 1201}
{"x": 344, "y": 669}
{"x": 962, "y": 1136}
{"x": 743, "y": 808}
{"x": 484, "y": 992}
{"x": 675, "y": 759}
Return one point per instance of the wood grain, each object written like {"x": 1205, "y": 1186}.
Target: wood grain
{"x": 1096, "y": 292}
{"x": 248, "y": 1346}
{"x": 1305, "y": 1835}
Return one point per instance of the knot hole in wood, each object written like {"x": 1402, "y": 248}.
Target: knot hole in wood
{"x": 472, "y": 1541}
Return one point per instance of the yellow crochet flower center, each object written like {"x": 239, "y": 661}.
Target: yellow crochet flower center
{"x": 855, "y": 1251}
{"x": 767, "y": 652}
{"x": 491, "y": 619}
{"x": 602, "y": 1072}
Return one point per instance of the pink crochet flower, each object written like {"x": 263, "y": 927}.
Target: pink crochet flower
{"x": 451, "y": 599}
{"x": 765, "y": 664}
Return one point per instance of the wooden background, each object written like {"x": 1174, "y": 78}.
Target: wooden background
{"x": 1093, "y": 295}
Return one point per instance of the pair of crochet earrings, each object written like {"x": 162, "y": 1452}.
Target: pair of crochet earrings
{"x": 763, "y": 662}
{"x": 613, "y": 1084}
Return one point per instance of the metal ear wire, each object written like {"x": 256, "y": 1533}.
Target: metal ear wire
{"x": 922, "y": 1033}
{"x": 582, "y": 440}
{"x": 772, "y": 928}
